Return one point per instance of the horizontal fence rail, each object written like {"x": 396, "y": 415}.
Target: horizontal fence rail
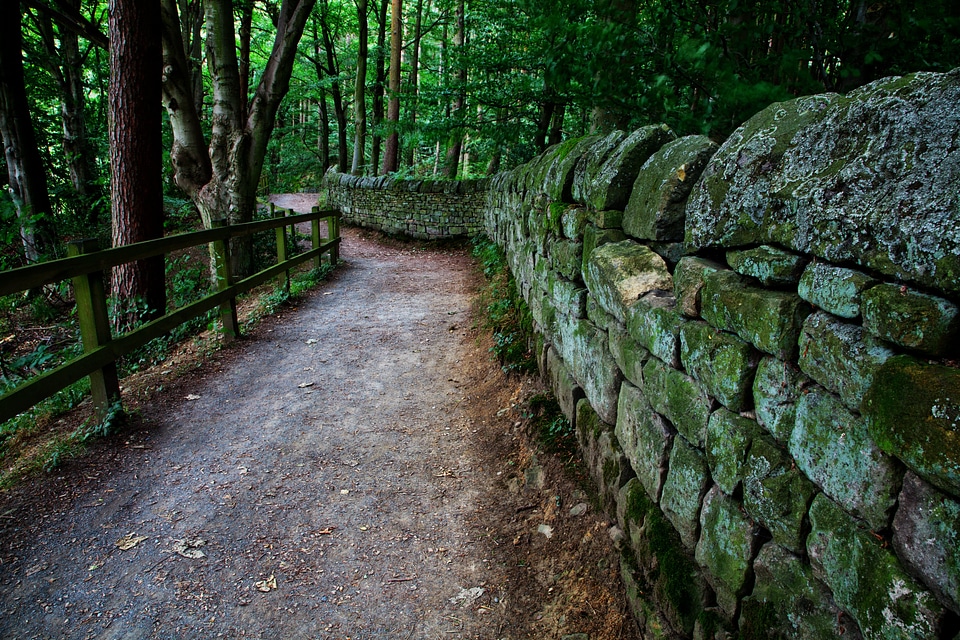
{"x": 85, "y": 268}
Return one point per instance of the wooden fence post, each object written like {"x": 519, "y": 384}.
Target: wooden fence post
{"x": 94, "y": 322}
{"x": 333, "y": 232}
{"x": 281, "y": 247}
{"x": 228, "y": 309}
{"x": 315, "y": 236}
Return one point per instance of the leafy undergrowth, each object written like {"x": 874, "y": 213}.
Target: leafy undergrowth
{"x": 63, "y": 427}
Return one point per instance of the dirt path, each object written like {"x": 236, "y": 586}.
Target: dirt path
{"x": 355, "y": 469}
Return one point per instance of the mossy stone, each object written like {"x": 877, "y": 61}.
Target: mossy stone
{"x": 609, "y": 187}
{"x": 688, "y": 278}
{"x": 566, "y": 257}
{"x": 569, "y": 298}
{"x": 911, "y": 319}
{"x": 832, "y": 446}
{"x": 776, "y": 494}
{"x": 866, "y": 579}
{"x": 687, "y": 481}
{"x": 646, "y": 439}
{"x": 912, "y": 411}
{"x": 726, "y": 548}
{"x": 585, "y": 351}
{"x": 721, "y": 361}
{"x": 729, "y": 437}
{"x": 589, "y": 165}
{"x": 561, "y": 159}
{"x": 777, "y": 387}
{"x": 573, "y": 221}
{"x": 565, "y": 388}
{"x": 629, "y": 355}
{"x": 679, "y": 398}
{"x": 840, "y": 356}
{"x": 619, "y": 273}
{"x": 836, "y": 290}
{"x": 655, "y": 324}
{"x": 769, "y": 320}
{"x": 773, "y": 267}
{"x": 655, "y": 210}
{"x": 594, "y": 237}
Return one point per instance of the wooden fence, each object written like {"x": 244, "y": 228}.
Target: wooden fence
{"x": 86, "y": 265}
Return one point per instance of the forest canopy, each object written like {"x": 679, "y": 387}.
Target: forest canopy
{"x": 282, "y": 91}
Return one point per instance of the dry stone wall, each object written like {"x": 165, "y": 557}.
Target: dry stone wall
{"x": 422, "y": 209}
{"x": 757, "y": 346}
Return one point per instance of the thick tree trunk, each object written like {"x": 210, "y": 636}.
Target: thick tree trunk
{"x": 25, "y": 170}
{"x": 135, "y": 155}
{"x": 391, "y": 156}
{"x": 360, "y": 93}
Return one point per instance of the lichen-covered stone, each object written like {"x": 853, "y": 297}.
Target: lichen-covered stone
{"x": 834, "y": 289}
{"x": 769, "y": 320}
{"x": 655, "y": 324}
{"x": 776, "y": 494}
{"x": 609, "y": 187}
{"x": 590, "y": 163}
{"x": 608, "y": 465}
{"x": 729, "y": 437}
{"x": 726, "y": 548}
{"x": 868, "y": 178}
{"x": 840, "y": 357}
{"x": 773, "y": 267}
{"x": 560, "y": 162}
{"x": 629, "y": 355}
{"x": 566, "y": 257}
{"x": 646, "y": 439}
{"x": 679, "y": 398}
{"x": 687, "y": 481}
{"x": 599, "y": 316}
{"x": 788, "y": 602}
{"x": 926, "y": 536}
{"x": 594, "y": 237}
{"x": 619, "y": 273}
{"x": 866, "y": 579}
{"x": 584, "y": 349}
{"x": 688, "y": 277}
{"x": 831, "y": 445}
{"x": 925, "y": 323}
{"x": 722, "y": 362}
{"x": 565, "y": 388}
{"x": 569, "y": 298}
{"x": 777, "y": 388}
{"x": 573, "y": 221}
{"x": 913, "y": 412}
{"x": 655, "y": 210}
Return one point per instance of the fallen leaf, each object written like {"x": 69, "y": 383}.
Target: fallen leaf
{"x": 129, "y": 541}
{"x": 189, "y": 548}
{"x": 304, "y": 385}
{"x": 193, "y": 396}
{"x": 312, "y": 341}
{"x": 546, "y": 530}
{"x": 266, "y": 585}
{"x": 325, "y": 532}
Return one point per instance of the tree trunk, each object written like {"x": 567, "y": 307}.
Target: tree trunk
{"x": 191, "y": 12}
{"x": 391, "y": 156}
{"x": 452, "y": 163}
{"x": 378, "y": 85}
{"x": 25, "y": 170}
{"x": 339, "y": 112}
{"x": 414, "y": 82}
{"x": 360, "y": 93}
{"x": 135, "y": 155}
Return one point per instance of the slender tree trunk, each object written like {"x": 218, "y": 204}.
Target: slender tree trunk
{"x": 414, "y": 82}
{"x": 451, "y": 166}
{"x": 391, "y": 156}
{"x": 246, "y": 25}
{"x": 191, "y": 15}
{"x": 323, "y": 143}
{"x": 25, "y": 170}
{"x": 360, "y": 93}
{"x": 135, "y": 154}
{"x": 556, "y": 126}
{"x": 378, "y": 85}
{"x": 339, "y": 112}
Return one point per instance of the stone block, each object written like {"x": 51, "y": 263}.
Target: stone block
{"x": 655, "y": 324}
{"x": 565, "y": 388}
{"x": 926, "y": 537}
{"x": 655, "y": 210}
{"x": 789, "y": 602}
{"x": 867, "y": 580}
{"x": 629, "y": 355}
{"x": 560, "y": 162}
{"x": 836, "y": 290}
{"x": 605, "y": 460}
{"x": 619, "y": 273}
{"x": 832, "y": 446}
{"x": 912, "y": 411}
{"x": 776, "y": 494}
{"x": 777, "y": 388}
{"x": 594, "y": 237}
{"x": 566, "y": 257}
{"x": 726, "y": 548}
{"x": 729, "y": 437}
{"x": 687, "y": 482}
{"x": 573, "y": 221}
{"x": 688, "y": 278}
{"x": 910, "y": 319}
{"x": 610, "y": 185}
{"x": 598, "y": 315}
{"x": 840, "y": 357}
{"x": 568, "y": 298}
{"x": 679, "y": 398}
{"x": 721, "y": 361}
{"x": 646, "y": 439}
{"x": 589, "y": 165}
{"x": 585, "y": 350}
{"x": 769, "y": 320}
{"x": 773, "y": 267}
